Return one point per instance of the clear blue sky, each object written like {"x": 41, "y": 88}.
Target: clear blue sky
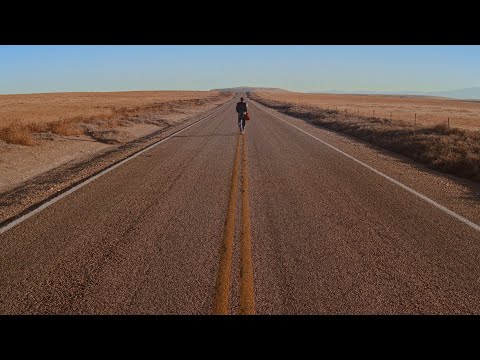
{"x": 29, "y": 69}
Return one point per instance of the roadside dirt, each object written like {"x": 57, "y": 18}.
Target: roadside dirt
{"x": 33, "y": 174}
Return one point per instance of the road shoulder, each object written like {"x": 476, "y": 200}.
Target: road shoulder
{"x": 36, "y": 190}
{"x": 459, "y": 195}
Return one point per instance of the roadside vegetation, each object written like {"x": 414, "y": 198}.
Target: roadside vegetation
{"x": 24, "y": 116}
{"x": 450, "y": 150}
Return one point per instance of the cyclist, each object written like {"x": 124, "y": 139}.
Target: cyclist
{"x": 241, "y": 110}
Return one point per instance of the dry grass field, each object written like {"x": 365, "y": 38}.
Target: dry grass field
{"x": 449, "y": 149}
{"x": 430, "y": 110}
{"x": 21, "y": 116}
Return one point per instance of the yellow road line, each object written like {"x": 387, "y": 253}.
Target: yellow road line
{"x": 221, "y": 304}
{"x": 247, "y": 301}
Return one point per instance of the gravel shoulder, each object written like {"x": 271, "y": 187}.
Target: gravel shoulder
{"x": 33, "y": 174}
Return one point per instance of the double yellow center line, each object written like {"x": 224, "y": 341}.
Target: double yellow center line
{"x": 224, "y": 280}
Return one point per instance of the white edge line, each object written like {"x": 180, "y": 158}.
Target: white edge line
{"x": 405, "y": 187}
{"x": 89, "y": 180}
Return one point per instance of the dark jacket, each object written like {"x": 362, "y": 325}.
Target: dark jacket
{"x": 241, "y": 107}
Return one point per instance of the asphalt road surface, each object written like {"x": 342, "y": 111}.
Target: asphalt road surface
{"x": 270, "y": 222}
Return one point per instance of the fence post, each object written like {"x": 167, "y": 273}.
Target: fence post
{"x": 373, "y": 114}
{"x": 448, "y": 122}
{"x": 415, "y": 118}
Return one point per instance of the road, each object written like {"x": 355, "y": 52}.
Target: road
{"x": 271, "y": 222}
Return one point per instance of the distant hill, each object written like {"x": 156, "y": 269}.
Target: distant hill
{"x": 472, "y": 93}
{"x": 468, "y": 93}
{"x": 249, "y": 88}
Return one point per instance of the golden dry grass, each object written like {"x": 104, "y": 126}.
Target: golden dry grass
{"x": 451, "y": 150}
{"x": 430, "y": 110}
{"x": 63, "y": 113}
{"x": 16, "y": 134}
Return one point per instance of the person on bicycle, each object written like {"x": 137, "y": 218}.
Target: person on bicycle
{"x": 241, "y": 110}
